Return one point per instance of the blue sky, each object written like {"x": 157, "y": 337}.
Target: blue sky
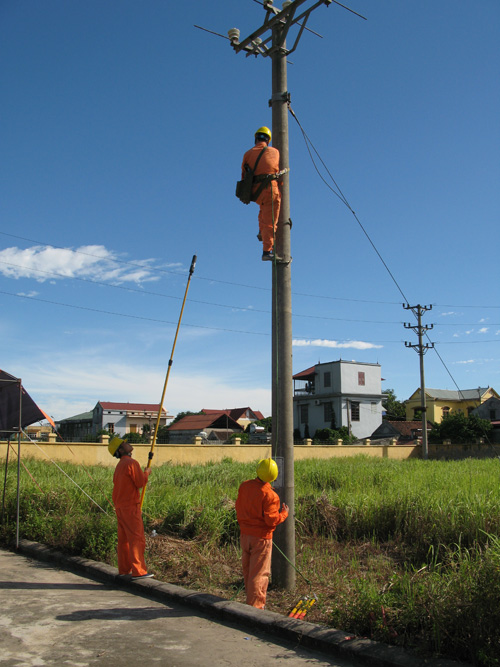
{"x": 122, "y": 132}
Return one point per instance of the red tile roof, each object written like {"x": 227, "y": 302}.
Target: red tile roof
{"x": 131, "y": 407}
{"x": 304, "y": 375}
{"x": 408, "y": 428}
{"x": 200, "y": 422}
{"x": 234, "y": 413}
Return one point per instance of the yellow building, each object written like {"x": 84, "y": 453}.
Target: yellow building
{"x": 442, "y": 402}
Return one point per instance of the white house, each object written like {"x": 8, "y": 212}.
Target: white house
{"x": 122, "y": 418}
{"x": 338, "y": 393}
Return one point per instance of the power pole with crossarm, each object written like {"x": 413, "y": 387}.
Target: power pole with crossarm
{"x": 270, "y": 41}
{"x": 420, "y": 329}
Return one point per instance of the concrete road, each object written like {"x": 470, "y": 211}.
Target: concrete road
{"x": 50, "y": 616}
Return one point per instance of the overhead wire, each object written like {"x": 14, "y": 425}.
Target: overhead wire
{"x": 234, "y": 307}
{"x": 182, "y": 273}
{"x": 222, "y": 329}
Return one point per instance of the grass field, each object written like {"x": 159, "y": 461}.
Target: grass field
{"x": 405, "y": 552}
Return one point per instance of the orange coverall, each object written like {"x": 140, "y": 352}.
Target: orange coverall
{"x": 127, "y": 481}
{"x": 258, "y": 514}
{"x": 269, "y": 199}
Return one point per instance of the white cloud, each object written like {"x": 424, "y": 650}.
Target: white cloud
{"x": 465, "y": 361}
{"x": 45, "y": 263}
{"x": 483, "y": 330}
{"x": 352, "y": 344}
{"x": 29, "y": 294}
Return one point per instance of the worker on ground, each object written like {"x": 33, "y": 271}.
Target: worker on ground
{"x": 258, "y": 514}
{"x": 269, "y": 197}
{"x": 127, "y": 481}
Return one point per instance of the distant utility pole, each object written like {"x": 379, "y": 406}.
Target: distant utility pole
{"x": 421, "y": 349}
{"x": 270, "y": 41}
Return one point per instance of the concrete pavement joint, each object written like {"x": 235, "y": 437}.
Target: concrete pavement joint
{"x": 326, "y": 640}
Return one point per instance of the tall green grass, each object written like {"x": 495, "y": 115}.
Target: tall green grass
{"x": 423, "y": 503}
{"x": 406, "y": 552}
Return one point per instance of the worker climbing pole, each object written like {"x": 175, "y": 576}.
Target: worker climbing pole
{"x": 160, "y": 407}
{"x": 260, "y": 174}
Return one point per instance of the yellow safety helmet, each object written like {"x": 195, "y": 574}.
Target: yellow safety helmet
{"x": 114, "y": 444}
{"x": 264, "y": 130}
{"x": 267, "y": 470}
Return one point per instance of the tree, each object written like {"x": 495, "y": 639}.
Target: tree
{"x": 459, "y": 428}
{"x": 136, "y": 438}
{"x": 267, "y": 423}
{"x": 395, "y": 409}
{"x": 332, "y": 435}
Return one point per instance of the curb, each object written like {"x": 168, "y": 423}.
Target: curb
{"x": 328, "y": 641}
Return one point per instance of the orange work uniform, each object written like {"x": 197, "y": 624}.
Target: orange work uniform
{"x": 127, "y": 481}
{"x": 269, "y": 199}
{"x": 258, "y": 514}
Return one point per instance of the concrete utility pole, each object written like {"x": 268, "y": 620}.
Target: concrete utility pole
{"x": 270, "y": 41}
{"x": 421, "y": 349}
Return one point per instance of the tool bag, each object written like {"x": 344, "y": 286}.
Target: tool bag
{"x": 245, "y": 186}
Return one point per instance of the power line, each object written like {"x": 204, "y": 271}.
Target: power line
{"x": 156, "y": 269}
{"x": 230, "y": 306}
{"x": 206, "y": 303}
{"x": 238, "y": 331}
{"x": 135, "y": 317}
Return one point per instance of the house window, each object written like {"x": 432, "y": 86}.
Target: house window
{"x": 304, "y": 414}
{"x": 446, "y": 410}
{"x": 133, "y": 428}
{"x": 328, "y": 413}
{"x": 355, "y": 411}
{"x": 417, "y": 413}
{"x": 493, "y": 414}
{"x": 361, "y": 379}
{"x": 327, "y": 379}
{"x": 110, "y": 427}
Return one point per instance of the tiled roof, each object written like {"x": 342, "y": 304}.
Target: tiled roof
{"x": 192, "y": 423}
{"x": 234, "y": 413}
{"x": 408, "y": 428}
{"x": 452, "y": 395}
{"x": 200, "y": 422}
{"x": 131, "y": 407}
{"x": 84, "y": 416}
{"x": 304, "y": 375}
